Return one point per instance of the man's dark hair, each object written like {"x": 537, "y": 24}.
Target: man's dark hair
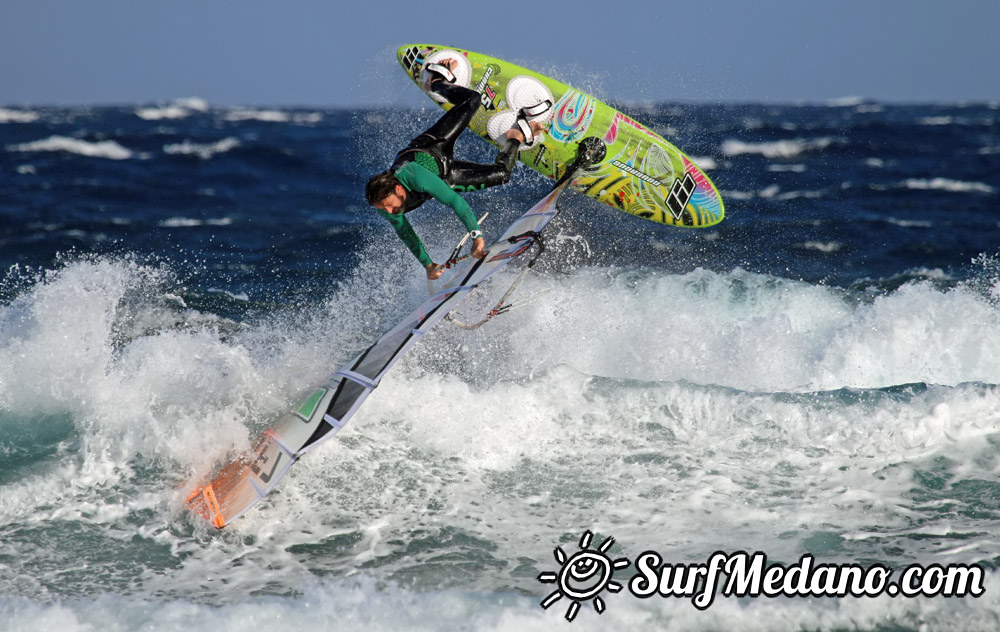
{"x": 380, "y": 186}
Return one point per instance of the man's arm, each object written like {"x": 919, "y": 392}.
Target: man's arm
{"x": 415, "y": 177}
{"x": 408, "y": 235}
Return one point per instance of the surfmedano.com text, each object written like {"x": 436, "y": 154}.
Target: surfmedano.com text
{"x": 748, "y": 575}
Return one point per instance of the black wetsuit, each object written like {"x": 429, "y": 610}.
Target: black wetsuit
{"x": 434, "y": 149}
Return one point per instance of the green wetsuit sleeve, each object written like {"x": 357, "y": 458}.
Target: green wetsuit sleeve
{"x": 408, "y": 235}
{"x": 417, "y": 178}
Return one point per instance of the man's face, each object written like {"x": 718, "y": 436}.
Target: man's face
{"x": 393, "y": 203}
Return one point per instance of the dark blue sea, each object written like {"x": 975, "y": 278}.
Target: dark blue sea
{"x": 819, "y": 373}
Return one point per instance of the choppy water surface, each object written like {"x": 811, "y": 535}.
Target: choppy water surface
{"x": 818, "y": 374}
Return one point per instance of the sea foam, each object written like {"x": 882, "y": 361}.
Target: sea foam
{"x": 776, "y": 149}
{"x": 99, "y": 149}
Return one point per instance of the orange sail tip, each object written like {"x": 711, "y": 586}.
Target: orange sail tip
{"x": 203, "y": 502}
{"x": 194, "y": 494}
{"x": 213, "y": 506}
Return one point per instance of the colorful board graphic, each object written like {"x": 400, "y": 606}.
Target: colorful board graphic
{"x": 642, "y": 173}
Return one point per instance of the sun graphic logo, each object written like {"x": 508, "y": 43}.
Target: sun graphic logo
{"x": 583, "y": 576}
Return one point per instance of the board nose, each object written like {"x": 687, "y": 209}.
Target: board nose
{"x": 407, "y": 55}
{"x": 410, "y": 50}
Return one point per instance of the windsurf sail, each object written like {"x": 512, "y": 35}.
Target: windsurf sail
{"x": 248, "y": 478}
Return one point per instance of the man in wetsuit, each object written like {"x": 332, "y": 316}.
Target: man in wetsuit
{"x": 426, "y": 169}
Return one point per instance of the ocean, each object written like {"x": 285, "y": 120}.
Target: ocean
{"x": 817, "y": 375}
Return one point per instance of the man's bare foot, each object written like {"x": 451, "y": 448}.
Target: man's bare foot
{"x": 515, "y": 134}
{"x": 450, "y": 63}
